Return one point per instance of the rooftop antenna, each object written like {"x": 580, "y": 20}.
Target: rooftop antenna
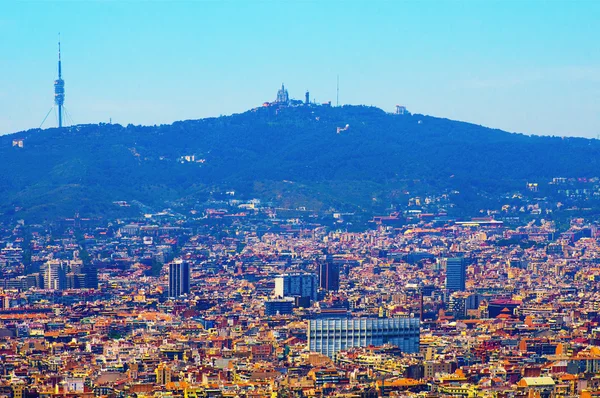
{"x": 337, "y": 101}
{"x": 59, "y": 89}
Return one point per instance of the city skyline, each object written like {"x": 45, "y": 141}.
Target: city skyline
{"x": 348, "y": 227}
{"x": 494, "y": 64}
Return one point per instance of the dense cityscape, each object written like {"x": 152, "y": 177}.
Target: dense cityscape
{"x": 240, "y": 298}
{"x": 414, "y": 213}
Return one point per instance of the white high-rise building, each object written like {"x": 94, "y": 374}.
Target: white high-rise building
{"x": 55, "y": 275}
{"x": 296, "y": 285}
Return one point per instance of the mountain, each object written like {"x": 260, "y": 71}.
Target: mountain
{"x": 348, "y": 158}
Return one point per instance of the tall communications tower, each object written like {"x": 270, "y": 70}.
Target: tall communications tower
{"x": 59, "y": 90}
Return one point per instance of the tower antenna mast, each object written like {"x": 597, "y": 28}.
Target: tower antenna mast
{"x": 337, "y": 100}
{"x": 59, "y": 89}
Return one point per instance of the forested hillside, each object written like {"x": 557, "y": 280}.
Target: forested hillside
{"x": 292, "y": 156}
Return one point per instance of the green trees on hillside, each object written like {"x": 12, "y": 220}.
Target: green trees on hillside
{"x": 293, "y": 156}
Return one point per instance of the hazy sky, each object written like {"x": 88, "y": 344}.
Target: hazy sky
{"x": 524, "y": 66}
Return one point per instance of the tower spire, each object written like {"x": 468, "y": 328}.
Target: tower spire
{"x": 59, "y": 89}
{"x": 59, "y": 68}
{"x": 337, "y": 97}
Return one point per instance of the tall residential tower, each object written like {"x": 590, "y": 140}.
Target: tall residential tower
{"x": 179, "y": 278}
{"x": 456, "y": 274}
{"x": 329, "y": 275}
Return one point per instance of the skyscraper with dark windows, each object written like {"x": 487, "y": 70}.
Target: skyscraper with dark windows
{"x": 90, "y": 278}
{"x": 329, "y": 275}
{"x": 456, "y": 274}
{"x": 179, "y": 278}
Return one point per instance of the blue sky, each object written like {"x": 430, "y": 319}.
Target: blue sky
{"x": 523, "y": 66}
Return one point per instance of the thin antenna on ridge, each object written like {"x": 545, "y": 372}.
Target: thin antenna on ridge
{"x": 337, "y": 101}
{"x": 59, "y": 71}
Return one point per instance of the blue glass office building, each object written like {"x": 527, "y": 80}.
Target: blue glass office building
{"x": 456, "y": 274}
{"x": 328, "y": 336}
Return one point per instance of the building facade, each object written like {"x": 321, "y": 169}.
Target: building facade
{"x": 328, "y": 336}
{"x": 279, "y": 307}
{"x": 54, "y": 275}
{"x": 456, "y": 274}
{"x": 179, "y": 278}
{"x": 296, "y": 285}
{"x": 329, "y": 275}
